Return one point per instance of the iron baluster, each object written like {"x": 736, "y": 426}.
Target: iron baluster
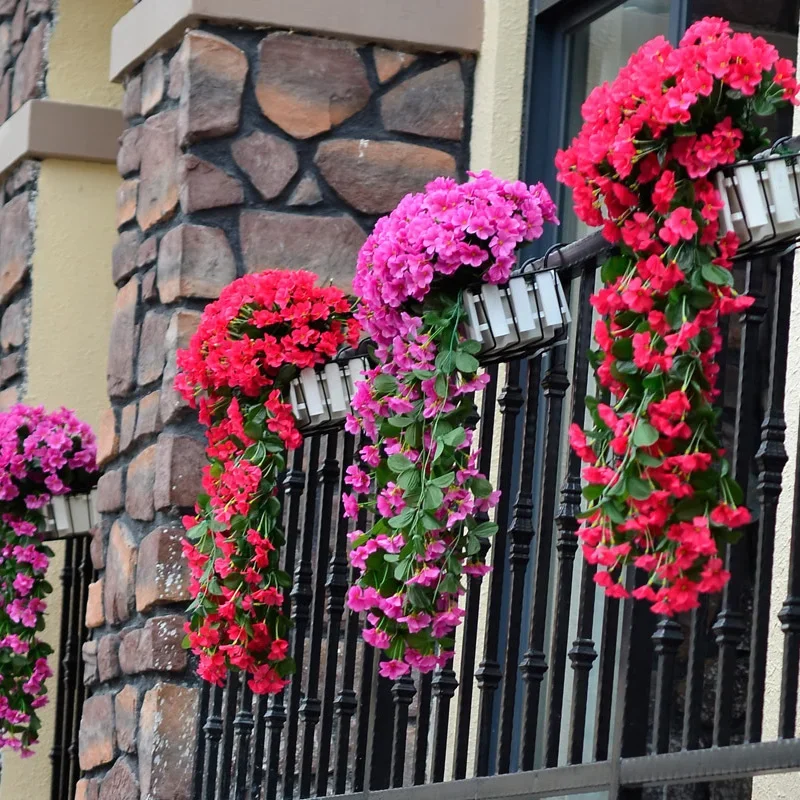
{"x": 423, "y": 728}
{"x": 403, "y": 692}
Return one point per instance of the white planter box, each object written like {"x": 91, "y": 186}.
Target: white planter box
{"x": 71, "y": 514}
{"x": 762, "y": 205}
{"x": 529, "y": 312}
{"x": 319, "y": 397}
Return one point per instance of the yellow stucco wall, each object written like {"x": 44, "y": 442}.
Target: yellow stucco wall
{"x": 79, "y": 52}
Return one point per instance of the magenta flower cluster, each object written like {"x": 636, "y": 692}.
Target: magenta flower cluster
{"x": 419, "y": 475}
{"x": 42, "y": 454}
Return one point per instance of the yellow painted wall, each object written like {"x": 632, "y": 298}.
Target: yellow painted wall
{"x": 71, "y": 308}
{"x": 79, "y": 52}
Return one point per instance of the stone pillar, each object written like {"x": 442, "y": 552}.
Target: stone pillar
{"x": 245, "y": 150}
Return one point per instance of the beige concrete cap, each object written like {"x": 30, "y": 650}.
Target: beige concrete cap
{"x": 420, "y": 24}
{"x": 49, "y": 129}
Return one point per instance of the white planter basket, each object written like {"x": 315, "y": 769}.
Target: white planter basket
{"x": 71, "y": 515}
{"x": 528, "y": 314}
{"x": 320, "y": 397}
{"x": 761, "y": 201}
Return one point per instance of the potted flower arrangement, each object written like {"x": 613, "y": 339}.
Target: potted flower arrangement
{"x": 419, "y": 472}
{"x": 250, "y": 345}
{"x": 660, "y": 494}
{"x": 44, "y": 457}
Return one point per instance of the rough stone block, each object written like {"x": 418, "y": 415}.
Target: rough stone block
{"x": 127, "y": 198}
{"x": 109, "y": 492}
{"x": 162, "y": 573}
{"x": 95, "y": 615}
{"x": 129, "y": 155}
{"x": 194, "y": 261}
{"x": 306, "y": 193}
{"x": 132, "y": 99}
{"x": 123, "y": 340}
{"x": 149, "y": 287}
{"x": 127, "y": 426}
{"x": 157, "y": 647}
{"x": 29, "y": 68}
{"x": 268, "y": 161}
{"x": 179, "y": 465}
{"x": 123, "y": 256}
{"x": 12, "y": 327}
{"x": 96, "y": 745}
{"x": 152, "y": 83}
{"x": 389, "y": 63}
{"x": 87, "y": 789}
{"x": 120, "y": 575}
{"x": 139, "y": 492}
{"x": 168, "y": 726}
{"x": 126, "y": 716}
{"x": 120, "y": 783}
{"x": 108, "y": 657}
{"x": 16, "y": 236}
{"x": 107, "y": 439}
{"x": 158, "y": 190}
{"x": 89, "y": 653}
{"x": 148, "y": 420}
{"x": 151, "y": 348}
{"x": 203, "y": 186}
{"x": 181, "y": 327}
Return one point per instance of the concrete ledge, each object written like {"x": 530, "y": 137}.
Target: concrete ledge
{"x": 49, "y": 129}
{"x": 419, "y": 24}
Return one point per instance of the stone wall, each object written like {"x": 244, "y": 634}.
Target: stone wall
{"x": 25, "y": 27}
{"x": 245, "y": 150}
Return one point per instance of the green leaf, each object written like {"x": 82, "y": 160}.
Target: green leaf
{"x": 473, "y": 545}
{"x": 485, "y": 530}
{"x": 638, "y": 489}
{"x": 627, "y": 368}
{"x": 644, "y": 434}
{"x": 471, "y": 346}
{"x": 593, "y": 491}
{"x": 480, "y": 487}
{"x": 613, "y": 268}
{"x": 455, "y": 438}
{"x": 401, "y": 421}
{"x": 444, "y": 481}
{"x": 430, "y": 523}
{"x": 185, "y": 642}
{"x": 466, "y": 363}
{"x": 445, "y": 361}
{"x": 403, "y": 519}
{"x": 416, "y": 596}
{"x": 399, "y": 463}
{"x": 441, "y": 385}
{"x": 623, "y": 349}
{"x": 701, "y": 298}
{"x": 409, "y": 480}
{"x": 384, "y": 384}
{"x": 690, "y": 508}
{"x": 433, "y": 498}
{"x": 646, "y": 460}
{"x": 763, "y": 106}
{"x": 717, "y": 275}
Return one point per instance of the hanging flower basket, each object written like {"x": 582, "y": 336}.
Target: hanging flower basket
{"x": 524, "y": 316}
{"x": 321, "y": 396}
{"x": 761, "y": 201}
{"x": 70, "y": 515}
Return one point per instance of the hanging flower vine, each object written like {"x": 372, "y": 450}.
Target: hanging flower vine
{"x": 660, "y": 492}
{"x": 419, "y": 475}
{"x": 41, "y": 455}
{"x": 250, "y": 343}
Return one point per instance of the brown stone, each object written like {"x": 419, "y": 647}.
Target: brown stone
{"x": 129, "y": 156}
{"x": 10, "y": 367}
{"x": 5, "y": 97}
{"x": 96, "y": 548}
{"x": 123, "y": 340}
{"x": 168, "y": 729}
{"x": 5, "y": 44}
{"x": 108, "y": 657}
{"x": 374, "y": 176}
{"x": 9, "y": 397}
{"x": 306, "y": 193}
{"x": 87, "y": 789}
{"x": 158, "y": 647}
{"x": 202, "y": 185}
{"x": 119, "y": 577}
{"x": 269, "y": 162}
{"x": 95, "y": 616}
{"x": 18, "y": 30}
{"x": 109, "y": 492}
{"x": 126, "y": 717}
{"x": 148, "y": 420}
{"x": 177, "y": 73}
{"x": 89, "y": 654}
{"x": 139, "y": 492}
{"x": 151, "y": 348}
{"x": 8, "y": 7}
{"x": 162, "y": 573}
{"x": 214, "y": 71}
{"x": 96, "y": 744}
{"x": 149, "y": 287}
{"x": 194, "y": 261}
{"x": 326, "y": 245}
{"x": 389, "y": 62}
{"x": 148, "y": 252}
{"x": 307, "y": 85}
{"x": 127, "y": 196}
{"x": 36, "y": 7}
{"x": 12, "y": 327}
{"x": 127, "y": 426}
{"x": 152, "y": 83}
{"x": 158, "y": 191}
{"x": 107, "y": 439}
{"x": 120, "y": 783}
{"x": 132, "y": 99}
{"x": 29, "y": 68}
{"x": 15, "y": 244}
{"x": 181, "y": 327}
{"x": 429, "y": 104}
{"x": 123, "y": 257}
{"x": 26, "y": 173}
{"x": 179, "y": 464}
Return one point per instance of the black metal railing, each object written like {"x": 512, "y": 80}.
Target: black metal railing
{"x": 555, "y": 689}
{"x": 68, "y": 691}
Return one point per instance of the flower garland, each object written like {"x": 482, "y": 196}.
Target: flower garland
{"x": 419, "y": 474}
{"x": 660, "y": 493}
{"x": 250, "y": 343}
{"x": 41, "y": 455}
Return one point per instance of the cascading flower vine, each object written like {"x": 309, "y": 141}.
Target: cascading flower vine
{"x": 419, "y": 475}
{"x": 42, "y": 455}
{"x": 659, "y": 490}
{"x": 250, "y": 343}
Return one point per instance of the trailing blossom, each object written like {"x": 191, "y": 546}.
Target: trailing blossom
{"x": 660, "y": 493}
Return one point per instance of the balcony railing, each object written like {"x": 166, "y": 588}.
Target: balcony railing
{"x": 555, "y": 690}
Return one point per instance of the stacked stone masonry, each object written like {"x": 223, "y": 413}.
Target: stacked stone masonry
{"x": 245, "y": 150}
